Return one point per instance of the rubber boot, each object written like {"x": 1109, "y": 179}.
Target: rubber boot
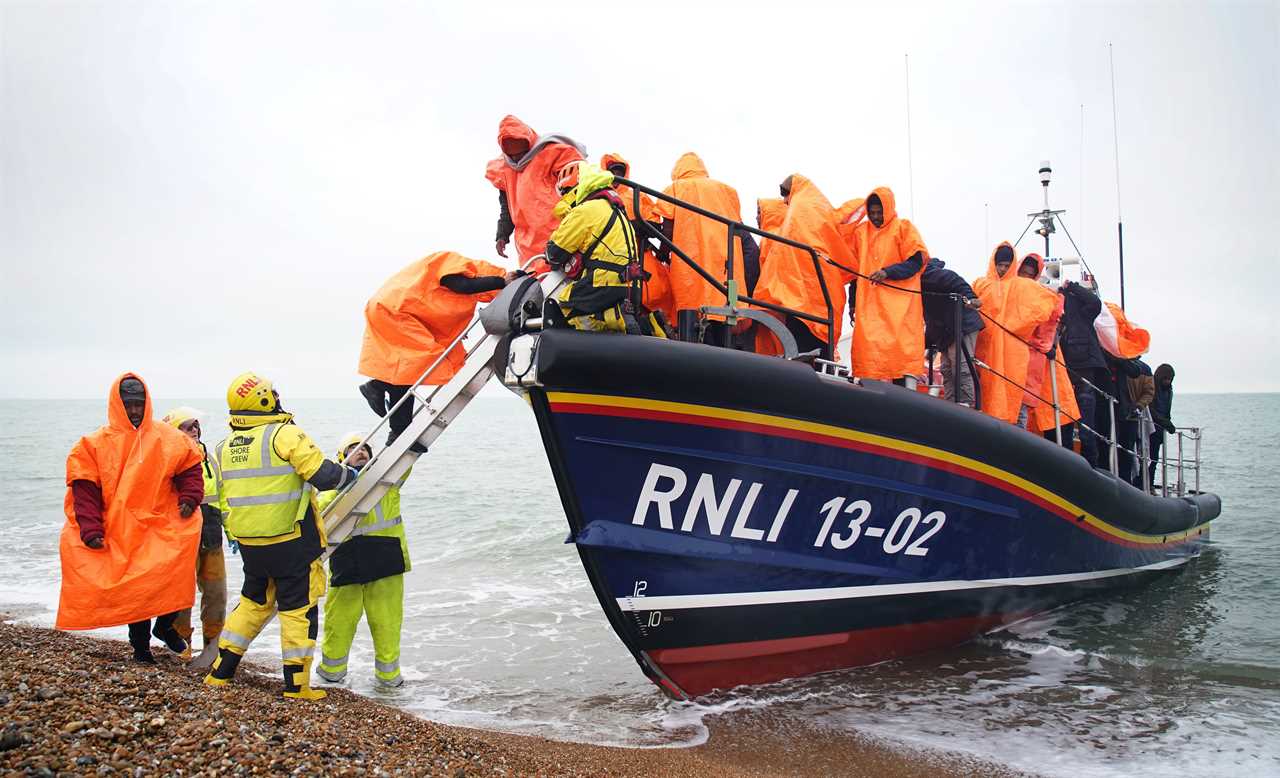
{"x": 224, "y": 668}
{"x": 167, "y": 633}
{"x": 375, "y": 394}
{"x": 140, "y": 639}
{"x": 297, "y": 682}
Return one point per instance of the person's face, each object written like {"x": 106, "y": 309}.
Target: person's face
{"x": 875, "y": 212}
{"x": 1028, "y": 270}
{"x": 618, "y": 170}
{"x": 359, "y": 457}
{"x": 1002, "y": 267}
{"x": 515, "y": 147}
{"x": 134, "y": 409}
{"x": 192, "y": 429}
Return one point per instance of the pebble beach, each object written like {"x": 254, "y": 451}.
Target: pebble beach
{"x": 77, "y": 705}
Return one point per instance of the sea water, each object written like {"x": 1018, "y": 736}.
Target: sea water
{"x": 503, "y": 632}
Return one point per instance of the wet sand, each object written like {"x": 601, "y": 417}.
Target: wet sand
{"x": 71, "y": 704}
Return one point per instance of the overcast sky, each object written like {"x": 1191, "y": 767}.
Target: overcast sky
{"x": 193, "y": 190}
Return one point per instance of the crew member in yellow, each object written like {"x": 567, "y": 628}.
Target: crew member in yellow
{"x": 211, "y": 564}
{"x": 366, "y": 576}
{"x": 595, "y": 246}
{"x": 270, "y": 473}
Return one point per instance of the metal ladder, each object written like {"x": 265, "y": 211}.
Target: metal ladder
{"x": 440, "y": 405}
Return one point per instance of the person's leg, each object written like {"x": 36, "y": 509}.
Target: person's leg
{"x": 1157, "y": 440}
{"x": 1086, "y": 400}
{"x": 183, "y": 622}
{"x": 947, "y": 366}
{"x": 211, "y": 576}
{"x": 401, "y": 417}
{"x": 256, "y": 607}
{"x": 343, "y": 606}
{"x": 806, "y": 341}
{"x": 298, "y": 599}
{"x": 165, "y": 630}
{"x": 970, "y": 343}
{"x": 1126, "y": 438}
{"x": 384, "y": 607}
{"x": 375, "y": 393}
{"x": 140, "y": 639}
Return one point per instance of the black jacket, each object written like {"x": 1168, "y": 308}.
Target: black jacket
{"x": 940, "y": 312}
{"x": 1080, "y": 347}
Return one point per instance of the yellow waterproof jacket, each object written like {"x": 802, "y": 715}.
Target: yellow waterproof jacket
{"x": 254, "y": 474}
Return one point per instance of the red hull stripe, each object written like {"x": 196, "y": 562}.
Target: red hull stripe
{"x": 700, "y": 669}
{"x": 1092, "y": 525}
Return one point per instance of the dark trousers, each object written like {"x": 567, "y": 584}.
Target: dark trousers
{"x": 1157, "y": 439}
{"x": 1068, "y": 435}
{"x": 140, "y": 631}
{"x": 806, "y": 341}
{"x": 1127, "y": 439}
{"x": 403, "y": 415}
{"x": 1087, "y": 400}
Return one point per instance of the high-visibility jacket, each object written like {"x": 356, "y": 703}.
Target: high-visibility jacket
{"x": 212, "y": 475}
{"x": 377, "y": 547}
{"x": 264, "y": 493}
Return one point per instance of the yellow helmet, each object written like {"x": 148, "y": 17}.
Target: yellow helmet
{"x": 250, "y": 392}
{"x": 180, "y": 415}
{"x": 349, "y": 440}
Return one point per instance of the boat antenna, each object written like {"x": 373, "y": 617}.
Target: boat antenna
{"x": 986, "y": 222}
{"x": 911, "y": 177}
{"x": 1081, "y": 211}
{"x": 1115, "y": 136}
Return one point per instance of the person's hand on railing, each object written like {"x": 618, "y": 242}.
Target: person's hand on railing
{"x": 972, "y": 303}
{"x": 877, "y": 277}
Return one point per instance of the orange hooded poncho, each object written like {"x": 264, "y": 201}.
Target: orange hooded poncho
{"x": 704, "y": 240}
{"x": 789, "y": 278}
{"x": 1038, "y": 382}
{"x": 1127, "y": 340}
{"x": 530, "y": 183}
{"x": 1019, "y": 305}
{"x": 888, "y": 334}
{"x": 770, "y": 213}
{"x": 412, "y": 319}
{"x": 657, "y": 288}
{"x": 147, "y": 564}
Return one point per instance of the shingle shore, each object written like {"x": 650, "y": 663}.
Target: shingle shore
{"x": 75, "y": 705}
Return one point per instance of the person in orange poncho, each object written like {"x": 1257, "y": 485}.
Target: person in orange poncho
{"x": 1039, "y": 412}
{"x": 771, "y": 212}
{"x": 525, "y": 176}
{"x": 1010, "y": 304}
{"x": 129, "y": 546}
{"x": 888, "y": 334}
{"x": 789, "y": 278}
{"x": 410, "y": 322}
{"x": 656, "y": 289}
{"x": 704, "y": 240}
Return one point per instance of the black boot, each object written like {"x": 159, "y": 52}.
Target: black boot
{"x": 140, "y": 639}
{"x": 165, "y": 630}
{"x": 375, "y": 393}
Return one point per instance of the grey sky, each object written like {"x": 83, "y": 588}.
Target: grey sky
{"x": 193, "y": 190}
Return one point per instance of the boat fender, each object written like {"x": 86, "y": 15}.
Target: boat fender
{"x": 507, "y": 311}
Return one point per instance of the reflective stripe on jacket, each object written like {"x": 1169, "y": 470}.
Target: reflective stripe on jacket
{"x": 376, "y": 547}
{"x": 264, "y": 495}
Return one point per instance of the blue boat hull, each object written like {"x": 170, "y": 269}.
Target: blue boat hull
{"x": 730, "y": 542}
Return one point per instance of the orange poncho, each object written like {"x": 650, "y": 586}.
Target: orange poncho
{"x": 770, "y": 213}
{"x": 704, "y": 240}
{"x": 1041, "y": 420}
{"x": 1039, "y": 384}
{"x": 412, "y": 319}
{"x": 789, "y": 278}
{"x": 657, "y": 289}
{"x": 888, "y": 336}
{"x": 1125, "y": 340}
{"x": 530, "y": 184}
{"x": 1018, "y": 305}
{"x": 147, "y": 565}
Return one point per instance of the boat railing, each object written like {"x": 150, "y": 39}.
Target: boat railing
{"x": 1184, "y": 462}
